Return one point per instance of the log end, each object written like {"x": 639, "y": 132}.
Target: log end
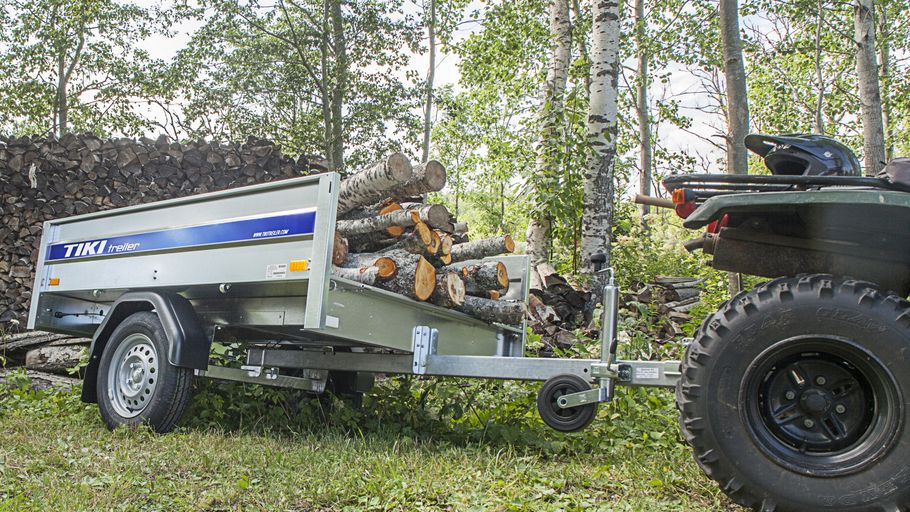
{"x": 425, "y": 279}
{"x": 400, "y": 167}
{"x": 454, "y": 288}
{"x": 339, "y": 250}
{"x": 509, "y": 243}
{"x": 387, "y": 268}
{"x": 434, "y": 175}
{"x": 502, "y": 275}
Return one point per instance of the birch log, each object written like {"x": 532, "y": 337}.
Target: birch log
{"x": 364, "y": 275}
{"x": 489, "y": 275}
{"x": 54, "y": 359}
{"x": 450, "y": 290}
{"x": 426, "y": 177}
{"x": 374, "y": 183}
{"x": 339, "y": 249}
{"x": 488, "y": 310}
{"x": 379, "y": 223}
{"x": 415, "y": 278}
{"x": 482, "y": 248}
{"x": 387, "y": 267}
{"x": 436, "y": 216}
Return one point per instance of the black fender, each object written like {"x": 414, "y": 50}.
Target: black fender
{"x": 188, "y": 346}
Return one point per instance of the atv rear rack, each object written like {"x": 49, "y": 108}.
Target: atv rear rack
{"x": 706, "y": 186}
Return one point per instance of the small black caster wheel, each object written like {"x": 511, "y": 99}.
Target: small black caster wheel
{"x": 572, "y": 419}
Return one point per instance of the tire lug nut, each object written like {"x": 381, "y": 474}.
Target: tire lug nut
{"x": 821, "y": 380}
{"x": 790, "y": 395}
{"x": 840, "y": 409}
{"x": 809, "y": 423}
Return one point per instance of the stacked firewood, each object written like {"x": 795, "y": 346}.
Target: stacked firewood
{"x": 387, "y": 236}
{"x": 664, "y": 304}
{"x": 48, "y": 358}
{"x": 557, "y": 308}
{"x": 44, "y": 178}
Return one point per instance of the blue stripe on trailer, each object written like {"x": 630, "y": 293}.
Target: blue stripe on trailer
{"x": 260, "y": 228}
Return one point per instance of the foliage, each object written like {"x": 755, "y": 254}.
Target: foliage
{"x": 81, "y": 57}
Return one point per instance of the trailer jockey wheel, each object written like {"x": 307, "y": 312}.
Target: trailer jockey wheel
{"x": 793, "y": 397}
{"x": 136, "y": 384}
{"x": 571, "y": 419}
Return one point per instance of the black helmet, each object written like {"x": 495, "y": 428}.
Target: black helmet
{"x": 800, "y": 154}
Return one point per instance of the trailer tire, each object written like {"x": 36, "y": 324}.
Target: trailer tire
{"x": 136, "y": 383}
{"x": 570, "y": 419}
{"x": 790, "y": 399}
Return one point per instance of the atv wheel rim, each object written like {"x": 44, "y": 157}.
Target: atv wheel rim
{"x": 133, "y": 375}
{"x": 821, "y": 406}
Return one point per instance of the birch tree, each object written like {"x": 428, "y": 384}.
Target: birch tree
{"x": 870, "y": 98}
{"x": 642, "y": 108}
{"x": 602, "y": 126}
{"x": 547, "y": 171}
{"x": 431, "y": 74}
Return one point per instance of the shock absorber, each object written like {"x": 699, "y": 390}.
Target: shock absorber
{"x": 608, "y": 329}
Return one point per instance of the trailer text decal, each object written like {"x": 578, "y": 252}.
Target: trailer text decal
{"x": 260, "y": 228}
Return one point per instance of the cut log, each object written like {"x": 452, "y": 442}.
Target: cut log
{"x": 426, "y": 177}
{"x": 499, "y": 311}
{"x": 436, "y": 216}
{"x": 387, "y": 267}
{"x": 482, "y": 277}
{"x": 41, "y": 381}
{"x": 482, "y": 248}
{"x": 29, "y": 339}
{"x": 415, "y": 278}
{"x": 339, "y": 249}
{"x": 449, "y": 292}
{"x": 435, "y": 243}
{"x": 54, "y": 359}
{"x": 363, "y": 275}
{"x": 388, "y": 208}
{"x": 416, "y": 242}
{"x": 399, "y": 219}
{"x": 374, "y": 183}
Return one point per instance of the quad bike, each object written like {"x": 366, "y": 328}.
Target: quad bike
{"x": 795, "y": 395}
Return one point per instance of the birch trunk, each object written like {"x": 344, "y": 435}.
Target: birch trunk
{"x": 597, "y": 217}
{"x": 884, "y": 52}
{"x": 363, "y": 275}
{"x": 398, "y": 218}
{"x": 387, "y": 266}
{"x": 551, "y": 114}
{"x": 415, "y": 278}
{"x": 870, "y": 99}
{"x": 431, "y": 74}
{"x": 642, "y": 108}
{"x": 339, "y": 47}
{"x": 737, "y": 100}
{"x": 427, "y": 177}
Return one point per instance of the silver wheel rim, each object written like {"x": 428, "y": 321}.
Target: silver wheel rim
{"x": 133, "y": 375}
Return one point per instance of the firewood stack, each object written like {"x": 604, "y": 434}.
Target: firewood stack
{"x": 43, "y": 178}
{"x": 556, "y": 309}
{"x": 387, "y": 236}
{"x": 668, "y": 301}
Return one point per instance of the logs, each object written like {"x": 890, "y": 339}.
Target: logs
{"x": 480, "y": 278}
{"x": 363, "y": 275}
{"x": 426, "y": 177}
{"x": 498, "y": 311}
{"x": 449, "y": 292}
{"x": 54, "y": 359}
{"x": 374, "y": 183}
{"x": 480, "y": 249}
{"x": 415, "y": 277}
{"x": 43, "y": 178}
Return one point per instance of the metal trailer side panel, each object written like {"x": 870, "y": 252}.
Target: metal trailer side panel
{"x": 201, "y": 243}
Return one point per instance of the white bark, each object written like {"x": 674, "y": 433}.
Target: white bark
{"x": 870, "y": 99}
{"x": 597, "y": 218}
{"x": 551, "y": 113}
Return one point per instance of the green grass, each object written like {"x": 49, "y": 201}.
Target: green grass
{"x": 55, "y": 454}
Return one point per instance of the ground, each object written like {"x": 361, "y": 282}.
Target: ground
{"x": 56, "y": 454}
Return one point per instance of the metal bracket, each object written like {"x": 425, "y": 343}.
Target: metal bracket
{"x": 314, "y": 380}
{"x": 424, "y": 341}
{"x": 583, "y": 397}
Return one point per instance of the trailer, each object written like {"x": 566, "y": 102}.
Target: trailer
{"x": 155, "y": 285}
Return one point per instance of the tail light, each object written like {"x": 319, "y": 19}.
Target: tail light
{"x": 716, "y": 225}
{"x": 684, "y": 199}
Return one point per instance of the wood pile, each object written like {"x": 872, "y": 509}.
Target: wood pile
{"x": 387, "y": 236}
{"x": 43, "y": 351}
{"x": 663, "y": 304}
{"x": 557, "y": 309}
{"x": 43, "y": 178}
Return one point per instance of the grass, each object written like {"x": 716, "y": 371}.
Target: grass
{"x": 55, "y": 454}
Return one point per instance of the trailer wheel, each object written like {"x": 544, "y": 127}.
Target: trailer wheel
{"x": 793, "y": 396}
{"x": 136, "y": 384}
{"x": 564, "y": 420}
